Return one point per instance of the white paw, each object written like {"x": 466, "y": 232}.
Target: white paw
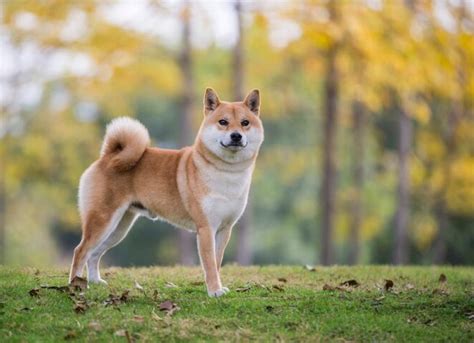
{"x": 98, "y": 281}
{"x": 218, "y": 293}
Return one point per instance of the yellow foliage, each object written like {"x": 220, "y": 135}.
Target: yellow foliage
{"x": 460, "y": 193}
{"x": 424, "y": 231}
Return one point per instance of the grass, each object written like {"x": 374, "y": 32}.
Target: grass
{"x": 274, "y": 303}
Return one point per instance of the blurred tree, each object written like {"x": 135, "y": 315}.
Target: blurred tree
{"x": 244, "y": 248}
{"x": 328, "y": 187}
{"x": 186, "y": 239}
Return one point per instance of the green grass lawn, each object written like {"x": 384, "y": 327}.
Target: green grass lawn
{"x": 274, "y": 303}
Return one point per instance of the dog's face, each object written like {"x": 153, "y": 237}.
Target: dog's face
{"x": 232, "y": 131}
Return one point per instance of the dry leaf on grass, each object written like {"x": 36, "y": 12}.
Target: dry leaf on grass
{"x": 78, "y": 283}
{"x": 138, "y": 319}
{"x": 243, "y": 289}
{"x": 350, "y": 283}
{"x": 388, "y": 285}
{"x": 169, "y": 307}
{"x": 70, "y": 335}
{"x": 138, "y": 286}
{"x": 170, "y": 285}
{"x": 278, "y": 288}
{"x": 282, "y": 279}
{"x": 327, "y": 287}
{"x": 34, "y": 292}
{"x": 310, "y": 268}
{"x": 95, "y": 326}
{"x": 197, "y": 283}
{"x": 114, "y": 299}
{"x": 442, "y": 278}
{"x": 80, "y": 307}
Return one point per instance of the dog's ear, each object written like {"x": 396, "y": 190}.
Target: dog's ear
{"x": 211, "y": 101}
{"x": 252, "y": 101}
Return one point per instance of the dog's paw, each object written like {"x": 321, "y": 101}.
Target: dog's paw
{"x": 218, "y": 293}
{"x": 98, "y": 282}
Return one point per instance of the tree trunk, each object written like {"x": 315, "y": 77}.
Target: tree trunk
{"x": 244, "y": 252}
{"x": 3, "y": 223}
{"x": 328, "y": 189}
{"x": 358, "y": 179}
{"x": 403, "y": 203}
{"x": 186, "y": 239}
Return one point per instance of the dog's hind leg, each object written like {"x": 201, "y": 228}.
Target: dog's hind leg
{"x": 122, "y": 229}
{"x": 97, "y": 227}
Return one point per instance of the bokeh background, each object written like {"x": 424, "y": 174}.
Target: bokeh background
{"x": 367, "y": 106}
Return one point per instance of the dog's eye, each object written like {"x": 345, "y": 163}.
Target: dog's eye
{"x": 223, "y": 122}
{"x": 245, "y": 123}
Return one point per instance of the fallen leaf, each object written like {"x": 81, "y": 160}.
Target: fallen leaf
{"x": 442, "y": 278}
{"x": 80, "y": 307}
{"x": 95, "y": 326}
{"x": 310, "y": 268}
{"x": 125, "y": 296}
{"x": 115, "y": 300}
{"x": 197, "y": 283}
{"x": 138, "y": 286}
{"x": 78, "y": 283}
{"x": 282, "y": 279}
{"x": 169, "y": 307}
{"x": 243, "y": 289}
{"x": 350, "y": 283}
{"x": 120, "y": 333}
{"x": 327, "y": 287}
{"x": 70, "y": 335}
{"x": 388, "y": 285}
{"x": 57, "y": 288}
{"x": 138, "y": 319}
{"x": 34, "y": 292}
{"x": 409, "y": 286}
{"x": 37, "y": 272}
{"x": 278, "y": 288}
{"x": 269, "y": 308}
{"x": 170, "y": 285}
{"x": 440, "y": 291}
{"x": 429, "y": 322}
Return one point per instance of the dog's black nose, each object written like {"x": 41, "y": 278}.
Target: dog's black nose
{"x": 236, "y": 137}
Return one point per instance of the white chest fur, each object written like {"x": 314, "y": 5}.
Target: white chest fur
{"x": 227, "y": 197}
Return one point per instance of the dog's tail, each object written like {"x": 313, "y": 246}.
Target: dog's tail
{"x": 125, "y": 142}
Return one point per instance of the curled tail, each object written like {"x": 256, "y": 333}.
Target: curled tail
{"x": 125, "y": 142}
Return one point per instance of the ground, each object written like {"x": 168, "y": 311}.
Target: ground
{"x": 272, "y": 303}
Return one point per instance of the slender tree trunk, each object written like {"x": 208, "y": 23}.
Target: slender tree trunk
{"x": 244, "y": 252}
{"x": 186, "y": 239}
{"x": 403, "y": 192}
{"x": 358, "y": 179}
{"x": 3, "y": 223}
{"x": 328, "y": 189}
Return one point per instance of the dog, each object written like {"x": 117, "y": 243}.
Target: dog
{"x": 202, "y": 188}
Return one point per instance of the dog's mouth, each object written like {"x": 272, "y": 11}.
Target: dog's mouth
{"x": 234, "y": 146}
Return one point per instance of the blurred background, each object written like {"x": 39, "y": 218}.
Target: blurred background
{"x": 367, "y": 107}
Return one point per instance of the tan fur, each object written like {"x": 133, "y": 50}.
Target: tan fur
{"x": 202, "y": 188}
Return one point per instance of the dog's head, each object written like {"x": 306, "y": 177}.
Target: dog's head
{"x": 232, "y": 131}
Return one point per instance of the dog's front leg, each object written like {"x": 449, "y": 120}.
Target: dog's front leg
{"x": 206, "y": 247}
{"x": 222, "y": 238}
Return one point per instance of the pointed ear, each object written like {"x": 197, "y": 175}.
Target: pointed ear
{"x": 211, "y": 101}
{"x": 252, "y": 101}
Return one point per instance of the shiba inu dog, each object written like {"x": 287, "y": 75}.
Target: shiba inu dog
{"x": 202, "y": 188}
